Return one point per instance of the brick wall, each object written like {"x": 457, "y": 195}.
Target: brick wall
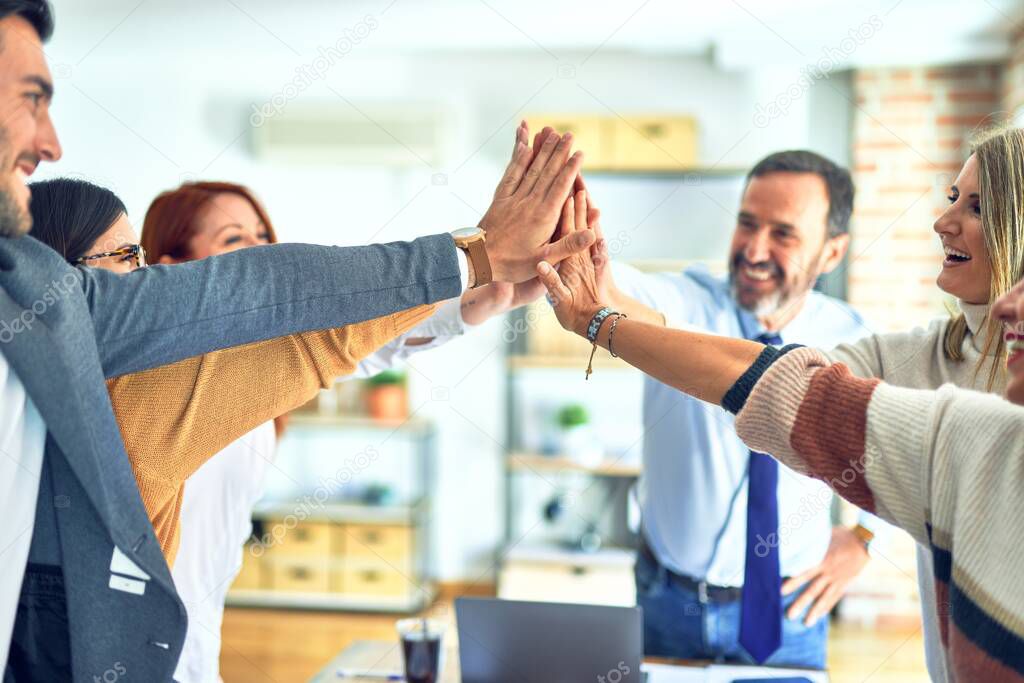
{"x": 909, "y": 130}
{"x": 1013, "y": 79}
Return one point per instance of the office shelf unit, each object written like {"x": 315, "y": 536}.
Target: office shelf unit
{"x": 330, "y": 554}
{"x": 549, "y": 570}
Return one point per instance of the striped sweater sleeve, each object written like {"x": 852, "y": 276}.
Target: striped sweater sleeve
{"x": 812, "y": 416}
{"x": 944, "y": 465}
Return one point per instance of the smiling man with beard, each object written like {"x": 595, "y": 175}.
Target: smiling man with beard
{"x": 739, "y": 560}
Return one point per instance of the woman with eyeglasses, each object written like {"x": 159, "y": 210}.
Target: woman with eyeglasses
{"x": 86, "y": 224}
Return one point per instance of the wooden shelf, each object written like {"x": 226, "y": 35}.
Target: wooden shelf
{"x": 414, "y": 602}
{"x": 579, "y": 363}
{"x": 533, "y": 462}
{"x": 356, "y": 422}
{"x": 344, "y": 512}
{"x": 681, "y": 173}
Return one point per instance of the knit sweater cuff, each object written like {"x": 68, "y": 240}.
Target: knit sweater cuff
{"x": 736, "y": 397}
{"x": 403, "y": 321}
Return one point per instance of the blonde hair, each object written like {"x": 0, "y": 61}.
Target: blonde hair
{"x": 1000, "y": 156}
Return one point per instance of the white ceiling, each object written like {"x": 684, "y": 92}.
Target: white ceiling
{"x": 735, "y": 33}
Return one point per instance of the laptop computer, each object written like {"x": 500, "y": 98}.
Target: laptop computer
{"x": 506, "y": 641}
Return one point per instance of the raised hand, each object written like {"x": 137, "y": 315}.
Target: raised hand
{"x": 573, "y": 289}
{"x": 524, "y": 214}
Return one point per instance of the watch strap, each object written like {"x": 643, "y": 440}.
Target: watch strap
{"x": 477, "y": 252}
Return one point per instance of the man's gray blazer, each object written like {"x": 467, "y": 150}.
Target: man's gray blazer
{"x": 63, "y": 330}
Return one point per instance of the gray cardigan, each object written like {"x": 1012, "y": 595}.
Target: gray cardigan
{"x": 63, "y": 330}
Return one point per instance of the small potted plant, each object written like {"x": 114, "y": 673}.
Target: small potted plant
{"x": 386, "y": 396}
{"x": 578, "y": 439}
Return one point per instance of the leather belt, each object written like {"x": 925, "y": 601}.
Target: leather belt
{"x": 706, "y": 592}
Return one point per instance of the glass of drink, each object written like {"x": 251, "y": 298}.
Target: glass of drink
{"x": 422, "y": 641}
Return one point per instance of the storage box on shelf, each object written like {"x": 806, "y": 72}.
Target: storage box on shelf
{"x": 658, "y": 142}
{"x": 341, "y": 557}
{"x": 344, "y": 555}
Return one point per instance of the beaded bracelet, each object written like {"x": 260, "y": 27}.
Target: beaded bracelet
{"x": 595, "y": 324}
{"x": 611, "y": 332}
{"x": 592, "y": 329}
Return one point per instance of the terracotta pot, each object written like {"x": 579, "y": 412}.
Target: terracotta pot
{"x": 387, "y": 403}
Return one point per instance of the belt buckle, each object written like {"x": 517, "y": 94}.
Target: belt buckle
{"x": 702, "y": 592}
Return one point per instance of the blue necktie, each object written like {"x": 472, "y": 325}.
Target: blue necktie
{"x": 761, "y": 603}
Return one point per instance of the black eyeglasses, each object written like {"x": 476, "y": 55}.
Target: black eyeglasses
{"x": 131, "y": 251}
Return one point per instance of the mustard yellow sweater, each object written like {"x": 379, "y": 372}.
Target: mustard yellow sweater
{"x": 176, "y": 417}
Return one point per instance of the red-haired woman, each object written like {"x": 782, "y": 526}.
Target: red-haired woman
{"x": 205, "y": 219}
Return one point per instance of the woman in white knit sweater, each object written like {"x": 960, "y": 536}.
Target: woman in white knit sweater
{"x": 982, "y": 236}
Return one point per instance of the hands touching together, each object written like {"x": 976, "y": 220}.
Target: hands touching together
{"x": 523, "y": 218}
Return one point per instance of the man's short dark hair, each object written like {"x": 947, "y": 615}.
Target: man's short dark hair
{"x": 36, "y": 12}
{"x": 837, "y": 182}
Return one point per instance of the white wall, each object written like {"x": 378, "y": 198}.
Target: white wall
{"x": 145, "y": 109}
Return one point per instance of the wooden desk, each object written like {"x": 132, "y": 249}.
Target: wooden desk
{"x": 384, "y": 657}
{"x": 381, "y": 657}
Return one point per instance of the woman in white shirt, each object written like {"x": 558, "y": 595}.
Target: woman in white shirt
{"x": 203, "y": 219}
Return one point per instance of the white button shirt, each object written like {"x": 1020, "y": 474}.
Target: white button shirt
{"x": 22, "y": 437}
{"x": 693, "y": 492}
{"x": 217, "y": 508}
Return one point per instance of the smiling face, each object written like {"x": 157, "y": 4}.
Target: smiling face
{"x": 28, "y": 135}
{"x": 1009, "y": 310}
{"x": 966, "y": 271}
{"x": 780, "y": 245}
{"x": 227, "y": 222}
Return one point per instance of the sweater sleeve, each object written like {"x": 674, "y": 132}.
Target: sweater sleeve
{"x": 174, "y": 418}
{"x": 916, "y": 458}
{"x": 812, "y": 416}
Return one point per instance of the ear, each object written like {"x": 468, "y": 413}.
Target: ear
{"x": 834, "y": 251}
{"x": 167, "y": 260}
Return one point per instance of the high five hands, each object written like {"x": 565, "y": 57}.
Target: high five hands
{"x": 574, "y": 289}
{"x": 522, "y": 222}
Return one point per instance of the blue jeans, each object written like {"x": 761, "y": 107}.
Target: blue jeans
{"x": 677, "y": 625}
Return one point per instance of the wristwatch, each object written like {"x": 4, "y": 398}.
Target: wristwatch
{"x": 864, "y": 535}
{"x": 471, "y": 241}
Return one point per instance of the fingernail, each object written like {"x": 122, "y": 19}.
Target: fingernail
{"x": 544, "y": 267}
{"x": 567, "y": 137}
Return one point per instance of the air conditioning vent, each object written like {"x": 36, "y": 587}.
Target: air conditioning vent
{"x": 374, "y": 136}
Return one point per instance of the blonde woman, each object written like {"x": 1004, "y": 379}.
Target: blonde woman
{"x": 982, "y": 235}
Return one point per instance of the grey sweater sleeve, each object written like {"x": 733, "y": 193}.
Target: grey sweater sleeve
{"x": 161, "y": 314}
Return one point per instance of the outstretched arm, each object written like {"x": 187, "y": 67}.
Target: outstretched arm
{"x": 175, "y": 417}
{"x": 162, "y": 314}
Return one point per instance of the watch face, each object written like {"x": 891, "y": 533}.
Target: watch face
{"x": 466, "y": 233}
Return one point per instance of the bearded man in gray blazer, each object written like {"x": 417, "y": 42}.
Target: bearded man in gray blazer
{"x": 85, "y": 589}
